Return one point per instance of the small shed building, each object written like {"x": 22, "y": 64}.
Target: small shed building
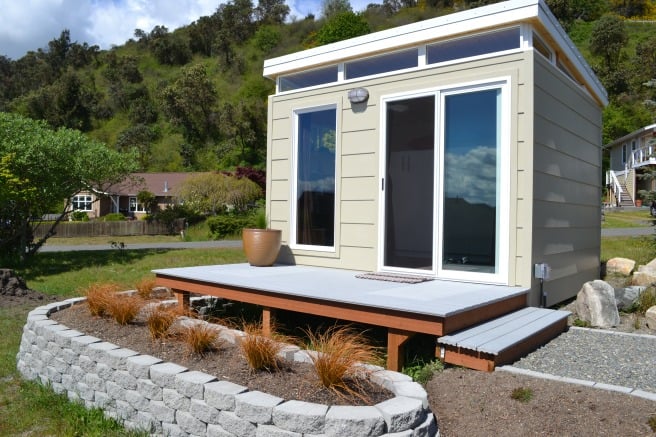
{"x": 465, "y": 147}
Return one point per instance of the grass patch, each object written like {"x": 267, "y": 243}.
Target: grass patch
{"x": 652, "y": 422}
{"x": 522, "y": 394}
{"x": 646, "y": 300}
{"x": 640, "y": 249}
{"x": 627, "y": 219}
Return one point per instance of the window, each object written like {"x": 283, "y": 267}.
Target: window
{"x": 471, "y": 180}
{"x": 135, "y": 206}
{"x": 473, "y": 46}
{"x": 82, "y": 202}
{"x": 382, "y": 64}
{"x": 314, "y": 187}
{"x": 308, "y": 78}
{"x": 541, "y": 47}
{"x": 623, "y": 153}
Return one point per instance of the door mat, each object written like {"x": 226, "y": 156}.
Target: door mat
{"x": 394, "y": 277}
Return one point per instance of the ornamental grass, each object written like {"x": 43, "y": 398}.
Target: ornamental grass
{"x": 340, "y": 351}
{"x": 200, "y": 338}
{"x": 159, "y": 319}
{"x": 261, "y": 350}
{"x": 99, "y": 295}
{"x": 145, "y": 287}
{"x": 124, "y": 309}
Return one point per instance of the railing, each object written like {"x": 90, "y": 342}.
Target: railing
{"x": 643, "y": 156}
{"x": 611, "y": 179}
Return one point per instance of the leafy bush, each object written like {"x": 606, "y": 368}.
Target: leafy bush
{"x": 340, "y": 349}
{"x": 98, "y": 297}
{"x": 124, "y": 309}
{"x": 113, "y": 217}
{"x": 422, "y": 372}
{"x": 79, "y": 216}
{"x": 222, "y": 226}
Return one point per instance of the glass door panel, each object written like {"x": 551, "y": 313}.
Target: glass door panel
{"x": 409, "y": 183}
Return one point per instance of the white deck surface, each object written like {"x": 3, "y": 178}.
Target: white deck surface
{"x": 435, "y": 298}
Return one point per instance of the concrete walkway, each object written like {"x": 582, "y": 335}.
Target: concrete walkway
{"x": 628, "y": 232}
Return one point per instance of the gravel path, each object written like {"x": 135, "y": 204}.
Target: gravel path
{"x": 616, "y": 358}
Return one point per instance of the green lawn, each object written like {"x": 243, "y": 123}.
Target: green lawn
{"x": 627, "y": 219}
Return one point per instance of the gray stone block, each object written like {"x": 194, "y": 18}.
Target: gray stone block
{"x": 147, "y": 422}
{"x": 162, "y": 412}
{"x": 124, "y": 410}
{"x": 408, "y": 433}
{"x": 77, "y": 372}
{"x": 73, "y": 396}
{"x": 86, "y": 363}
{"x": 68, "y": 381}
{"x": 41, "y": 343}
{"x": 164, "y": 374}
{"x": 190, "y": 424}
{"x": 139, "y": 365}
{"x": 40, "y": 324}
{"x": 389, "y": 379}
{"x": 114, "y": 390}
{"x": 191, "y": 384}
{"x": 256, "y": 406}
{"x": 175, "y": 400}
{"x": 401, "y": 413}
{"x": 48, "y": 331}
{"x": 79, "y": 344}
{"x": 273, "y": 431}
{"x": 150, "y": 390}
{"x": 54, "y": 348}
{"x": 102, "y": 400}
{"x": 105, "y": 372}
{"x": 236, "y": 425}
{"x": 428, "y": 428}
{"x": 117, "y": 358}
{"x": 69, "y": 356}
{"x": 94, "y": 381}
{"x": 125, "y": 379}
{"x": 63, "y": 338}
{"x": 354, "y": 421}
{"x": 173, "y": 430}
{"x": 137, "y": 400}
{"x": 201, "y": 411}
{"x": 58, "y": 388}
{"x": 298, "y": 416}
{"x": 53, "y": 375}
{"x": 412, "y": 390}
{"x": 217, "y": 431}
{"x": 85, "y": 392}
{"x": 221, "y": 394}
{"x": 60, "y": 365}
{"x": 98, "y": 351}
{"x": 46, "y": 357}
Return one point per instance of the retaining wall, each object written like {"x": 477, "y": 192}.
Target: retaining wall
{"x": 167, "y": 399}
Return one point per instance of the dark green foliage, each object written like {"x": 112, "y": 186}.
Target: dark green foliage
{"x": 222, "y": 226}
{"x": 176, "y": 216}
{"x": 342, "y": 26}
{"x": 113, "y": 217}
{"x": 522, "y": 394}
{"x": 79, "y": 216}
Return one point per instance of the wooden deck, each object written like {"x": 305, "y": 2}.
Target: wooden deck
{"x": 432, "y": 307}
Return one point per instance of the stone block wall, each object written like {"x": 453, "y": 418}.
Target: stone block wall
{"x": 164, "y": 398}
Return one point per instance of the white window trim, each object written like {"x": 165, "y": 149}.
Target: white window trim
{"x": 137, "y": 209}
{"x": 294, "y": 191}
{"x": 503, "y": 187}
{"x": 90, "y": 202}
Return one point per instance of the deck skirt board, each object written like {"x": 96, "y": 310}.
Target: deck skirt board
{"x": 503, "y": 339}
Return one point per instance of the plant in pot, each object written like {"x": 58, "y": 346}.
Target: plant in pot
{"x": 261, "y": 244}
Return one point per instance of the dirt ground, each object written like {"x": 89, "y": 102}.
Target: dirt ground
{"x": 465, "y": 402}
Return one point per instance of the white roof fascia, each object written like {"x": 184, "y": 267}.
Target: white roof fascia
{"x": 466, "y": 22}
{"x": 636, "y": 133}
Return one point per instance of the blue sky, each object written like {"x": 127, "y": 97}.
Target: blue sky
{"x": 30, "y": 24}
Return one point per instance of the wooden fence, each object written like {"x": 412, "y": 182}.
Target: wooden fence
{"x": 117, "y": 229}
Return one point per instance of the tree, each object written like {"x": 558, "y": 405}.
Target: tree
{"x": 608, "y": 38}
{"x": 330, "y": 8}
{"x": 40, "y": 171}
{"x": 271, "y": 11}
{"x": 213, "y": 193}
{"x": 342, "y": 26}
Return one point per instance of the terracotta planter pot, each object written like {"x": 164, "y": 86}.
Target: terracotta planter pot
{"x": 261, "y": 246}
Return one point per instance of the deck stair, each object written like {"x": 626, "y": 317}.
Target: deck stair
{"x": 502, "y": 340}
{"x": 625, "y": 198}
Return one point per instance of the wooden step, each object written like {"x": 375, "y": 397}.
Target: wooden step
{"x": 502, "y": 340}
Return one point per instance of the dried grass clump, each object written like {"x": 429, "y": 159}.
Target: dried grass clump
{"x": 646, "y": 300}
{"x": 339, "y": 350}
{"x": 99, "y": 296}
{"x": 159, "y": 320}
{"x": 259, "y": 350}
{"x": 200, "y": 338}
{"x": 145, "y": 287}
{"x": 124, "y": 309}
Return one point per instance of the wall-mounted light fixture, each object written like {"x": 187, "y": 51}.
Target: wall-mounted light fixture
{"x": 358, "y": 95}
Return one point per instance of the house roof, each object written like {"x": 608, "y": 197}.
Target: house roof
{"x": 471, "y": 21}
{"x": 635, "y": 134}
{"x": 160, "y": 184}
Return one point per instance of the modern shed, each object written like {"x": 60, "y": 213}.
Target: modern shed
{"x": 465, "y": 147}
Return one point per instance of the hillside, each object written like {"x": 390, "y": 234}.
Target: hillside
{"x": 195, "y": 98}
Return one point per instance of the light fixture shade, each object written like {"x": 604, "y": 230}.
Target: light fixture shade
{"x": 358, "y": 95}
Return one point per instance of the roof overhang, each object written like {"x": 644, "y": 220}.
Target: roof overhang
{"x": 466, "y": 22}
{"x": 635, "y": 134}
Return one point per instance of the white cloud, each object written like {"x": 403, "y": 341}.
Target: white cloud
{"x": 31, "y": 24}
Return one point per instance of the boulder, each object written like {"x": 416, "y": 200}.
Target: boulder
{"x": 650, "y": 317}
{"x": 596, "y": 304}
{"x": 651, "y": 265}
{"x": 620, "y": 266}
{"x": 625, "y": 297}
{"x": 11, "y": 284}
{"x": 643, "y": 277}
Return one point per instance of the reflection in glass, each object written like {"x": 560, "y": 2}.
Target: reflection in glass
{"x": 315, "y": 178}
{"x": 308, "y": 78}
{"x": 381, "y": 64}
{"x": 471, "y": 181}
{"x": 473, "y": 46}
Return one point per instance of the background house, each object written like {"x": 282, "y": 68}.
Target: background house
{"x": 122, "y": 197}
{"x": 630, "y": 156}
{"x": 465, "y": 147}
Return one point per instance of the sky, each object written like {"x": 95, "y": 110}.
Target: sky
{"x": 28, "y": 25}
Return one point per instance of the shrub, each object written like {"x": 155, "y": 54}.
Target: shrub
{"x": 124, "y": 309}
{"x": 422, "y": 372}
{"x": 145, "y": 287}
{"x": 646, "y": 300}
{"x": 79, "y": 216}
{"x": 339, "y": 349}
{"x": 522, "y": 394}
{"x": 200, "y": 338}
{"x": 99, "y": 296}
{"x": 113, "y": 217}
{"x": 260, "y": 351}
{"x": 159, "y": 320}
{"x": 222, "y": 226}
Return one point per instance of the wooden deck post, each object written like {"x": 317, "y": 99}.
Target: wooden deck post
{"x": 183, "y": 300}
{"x": 267, "y": 320}
{"x": 395, "y": 340}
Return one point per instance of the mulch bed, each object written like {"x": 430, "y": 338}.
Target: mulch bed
{"x": 293, "y": 381}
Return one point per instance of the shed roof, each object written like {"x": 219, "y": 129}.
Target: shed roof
{"x": 448, "y": 26}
